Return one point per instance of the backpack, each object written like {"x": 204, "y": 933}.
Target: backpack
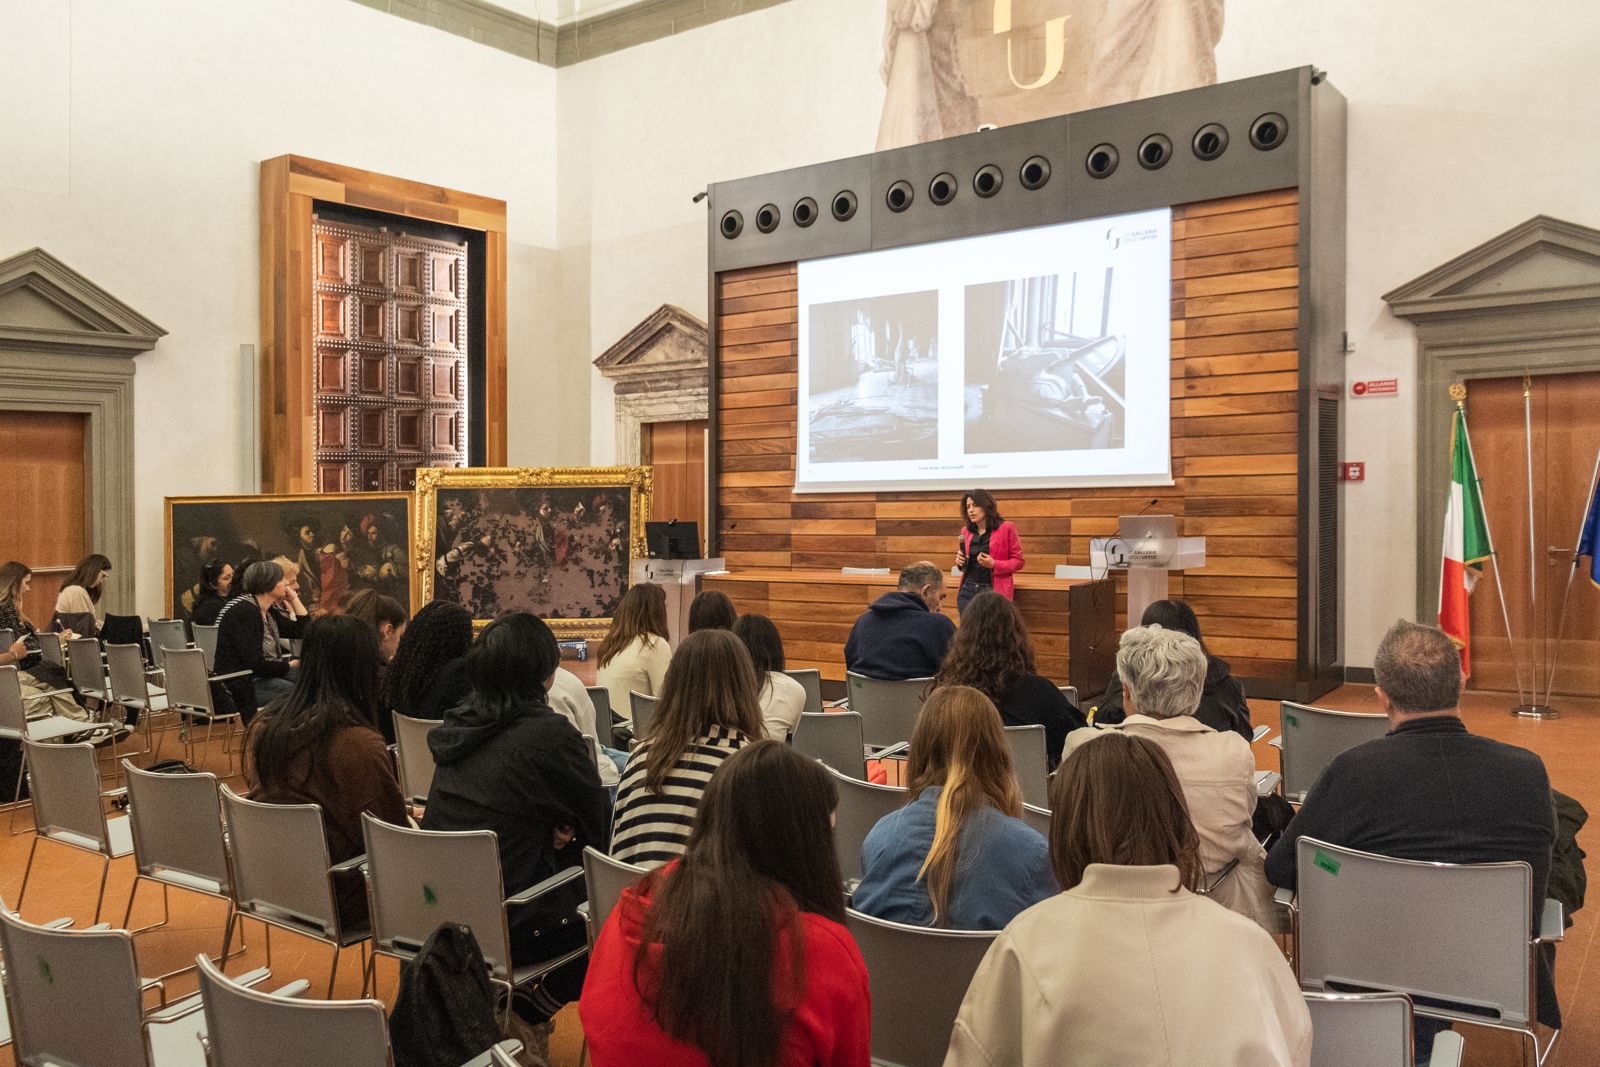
{"x": 444, "y": 1012}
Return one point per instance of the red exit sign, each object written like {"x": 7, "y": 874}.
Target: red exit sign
{"x": 1376, "y": 387}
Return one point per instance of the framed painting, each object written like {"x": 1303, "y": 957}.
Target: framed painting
{"x": 554, "y": 541}
{"x": 340, "y": 542}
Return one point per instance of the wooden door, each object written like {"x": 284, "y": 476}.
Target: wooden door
{"x": 677, "y": 451}
{"x": 45, "y": 521}
{"x": 1534, "y": 570}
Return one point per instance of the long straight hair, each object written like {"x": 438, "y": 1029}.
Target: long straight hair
{"x": 642, "y": 612}
{"x": 709, "y": 683}
{"x": 765, "y": 644}
{"x": 761, "y": 853}
{"x": 959, "y": 744}
{"x": 84, "y": 574}
{"x": 11, "y": 575}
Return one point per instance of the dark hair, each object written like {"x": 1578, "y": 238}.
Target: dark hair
{"x": 260, "y": 577}
{"x": 211, "y": 576}
{"x": 991, "y": 650}
{"x": 373, "y": 607}
{"x": 11, "y": 576}
{"x": 764, "y": 643}
{"x": 337, "y": 687}
{"x": 1418, "y": 668}
{"x": 711, "y": 610}
{"x": 84, "y": 574}
{"x": 985, "y": 500}
{"x": 440, "y": 634}
{"x": 710, "y": 682}
{"x": 761, "y": 853}
{"x": 1174, "y": 615}
{"x": 642, "y": 612}
{"x": 511, "y": 660}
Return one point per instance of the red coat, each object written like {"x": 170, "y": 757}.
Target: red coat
{"x": 831, "y": 1025}
{"x": 1006, "y": 548}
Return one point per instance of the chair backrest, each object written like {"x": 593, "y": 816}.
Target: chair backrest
{"x": 888, "y": 710}
{"x": 606, "y": 878}
{"x": 50, "y": 648}
{"x": 643, "y": 708}
{"x": 84, "y": 666}
{"x": 176, "y": 821}
{"x": 414, "y": 759}
{"x": 1360, "y": 1029}
{"x": 13, "y": 713}
{"x": 1452, "y": 932}
{"x": 7, "y": 638}
{"x": 66, "y": 794}
{"x": 1029, "y": 761}
{"x": 74, "y": 995}
{"x": 1038, "y": 818}
{"x": 918, "y": 978}
{"x": 165, "y": 634}
{"x": 122, "y": 629}
{"x": 245, "y": 1028}
{"x": 810, "y": 679}
{"x": 861, "y": 805}
{"x": 417, "y": 879}
{"x": 835, "y": 738}
{"x": 205, "y": 638}
{"x": 600, "y": 697}
{"x": 125, "y": 665}
{"x": 280, "y": 860}
{"x": 188, "y": 683}
{"x": 1070, "y": 692}
{"x": 1313, "y": 737}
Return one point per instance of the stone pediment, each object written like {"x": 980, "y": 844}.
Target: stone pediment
{"x": 1544, "y": 261}
{"x": 46, "y": 305}
{"x": 667, "y": 350}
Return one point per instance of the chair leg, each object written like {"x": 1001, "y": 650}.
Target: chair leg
{"x": 26, "y": 871}
{"x": 133, "y": 893}
{"x": 333, "y": 971}
{"x": 227, "y": 938}
{"x": 369, "y": 974}
{"x": 105, "y": 873}
{"x": 16, "y": 795}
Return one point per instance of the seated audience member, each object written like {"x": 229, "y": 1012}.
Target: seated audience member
{"x": 507, "y": 762}
{"x": 707, "y": 711}
{"x": 1222, "y": 704}
{"x": 291, "y": 614}
{"x": 570, "y": 699}
{"x": 737, "y": 954}
{"x": 635, "y": 653}
{"x": 35, "y": 676}
{"x": 993, "y": 654}
{"x": 428, "y": 674}
{"x": 1163, "y": 673}
{"x": 902, "y": 634}
{"x": 958, "y": 855}
{"x": 320, "y": 745}
{"x": 78, "y": 606}
{"x": 1129, "y": 965}
{"x": 1430, "y": 790}
{"x": 247, "y": 640}
{"x": 711, "y": 610}
{"x": 782, "y": 698}
{"x": 383, "y": 613}
{"x": 216, "y": 583}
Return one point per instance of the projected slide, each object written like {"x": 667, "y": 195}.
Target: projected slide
{"x": 1030, "y": 358}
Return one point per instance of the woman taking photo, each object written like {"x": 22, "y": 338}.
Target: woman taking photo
{"x": 247, "y": 640}
{"x": 78, "y": 606}
{"x": 737, "y": 955}
{"x": 958, "y": 855}
{"x": 988, "y": 551}
{"x": 635, "y": 654}
{"x": 216, "y": 583}
{"x": 782, "y": 698}
{"x": 1128, "y": 933}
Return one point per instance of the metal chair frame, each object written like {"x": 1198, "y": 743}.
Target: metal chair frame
{"x": 63, "y": 817}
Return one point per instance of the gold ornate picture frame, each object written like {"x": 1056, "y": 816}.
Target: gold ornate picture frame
{"x": 556, "y": 541}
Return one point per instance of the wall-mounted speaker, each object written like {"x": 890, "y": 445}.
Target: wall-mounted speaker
{"x": 1154, "y": 151}
{"x": 1102, "y": 160}
{"x": 1268, "y": 131}
{"x": 1034, "y": 173}
{"x": 844, "y": 205}
{"x": 1210, "y": 141}
{"x": 767, "y": 218}
{"x": 732, "y": 224}
{"x": 899, "y": 196}
{"x": 805, "y": 212}
{"x": 942, "y": 189}
{"x": 988, "y": 180}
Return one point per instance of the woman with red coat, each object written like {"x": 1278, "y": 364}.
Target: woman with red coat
{"x": 989, "y": 552}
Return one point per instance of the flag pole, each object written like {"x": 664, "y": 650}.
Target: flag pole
{"x": 1561, "y": 620}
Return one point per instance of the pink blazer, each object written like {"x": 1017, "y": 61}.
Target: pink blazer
{"x": 1006, "y": 548}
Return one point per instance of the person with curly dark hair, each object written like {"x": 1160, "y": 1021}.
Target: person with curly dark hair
{"x": 428, "y": 674}
{"x": 992, "y": 653}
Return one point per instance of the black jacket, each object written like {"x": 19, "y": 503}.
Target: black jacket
{"x": 1222, "y": 702}
{"x": 207, "y": 608}
{"x": 898, "y": 637}
{"x": 1032, "y": 699}
{"x": 522, "y": 772}
{"x": 447, "y": 689}
{"x": 240, "y": 631}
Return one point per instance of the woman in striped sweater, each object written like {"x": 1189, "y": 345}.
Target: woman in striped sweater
{"x": 707, "y": 711}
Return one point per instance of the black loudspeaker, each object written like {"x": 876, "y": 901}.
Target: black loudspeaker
{"x": 732, "y": 224}
{"x": 844, "y": 205}
{"x": 1034, "y": 173}
{"x": 1102, "y": 160}
{"x": 1210, "y": 141}
{"x": 767, "y": 218}
{"x": 988, "y": 180}
{"x": 805, "y": 212}
{"x": 1154, "y": 151}
{"x": 899, "y": 196}
{"x": 942, "y": 189}
{"x": 1268, "y": 131}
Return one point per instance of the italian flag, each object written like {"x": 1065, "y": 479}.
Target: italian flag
{"x": 1466, "y": 541}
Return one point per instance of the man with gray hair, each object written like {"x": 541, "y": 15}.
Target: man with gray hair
{"x": 902, "y": 634}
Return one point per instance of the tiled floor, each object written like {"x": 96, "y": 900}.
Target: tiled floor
{"x": 65, "y": 881}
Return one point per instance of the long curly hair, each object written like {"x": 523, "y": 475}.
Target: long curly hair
{"x": 991, "y": 650}
{"x": 439, "y": 634}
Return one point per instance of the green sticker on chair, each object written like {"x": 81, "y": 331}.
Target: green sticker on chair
{"x": 1291, "y": 720}
{"x": 429, "y": 896}
{"x": 1325, "y": 861}
{"x": 44, "y": 971}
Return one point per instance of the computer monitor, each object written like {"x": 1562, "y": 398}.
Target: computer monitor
{"x": 672, "y": 539}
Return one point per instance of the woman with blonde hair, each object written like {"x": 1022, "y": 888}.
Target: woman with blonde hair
{"x": 707, "y": 711}
{"x": 958, "y": 855}
{"x": 635, "y": 653}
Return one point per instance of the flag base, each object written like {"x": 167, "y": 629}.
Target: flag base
{"x": 1535, "y": 711}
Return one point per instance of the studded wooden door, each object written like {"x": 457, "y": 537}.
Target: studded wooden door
{"x": 390, "y": 369}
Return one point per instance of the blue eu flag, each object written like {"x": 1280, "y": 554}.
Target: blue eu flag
{"x": 1589, "y": 541}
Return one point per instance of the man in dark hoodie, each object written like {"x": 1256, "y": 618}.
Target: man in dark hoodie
{"x": 902, "y": 634}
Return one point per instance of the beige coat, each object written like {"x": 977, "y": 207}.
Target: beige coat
{"x": 1122, "y": 970}
{"x": 641, "y": 667}
{"x": 1217, "y": 772}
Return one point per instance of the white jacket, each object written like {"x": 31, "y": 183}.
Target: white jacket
{"x": 570, "y": 699}
{"x": 1122, "y": 970}
{"x": 782, "y": 701}
{"x": 642, "y": 666}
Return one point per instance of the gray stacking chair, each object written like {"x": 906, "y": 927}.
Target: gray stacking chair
{"x": 861, "y": 805}
{"x": 205, "y": 639}
{"x": 1070, "y": 692}
{"x": 1453, "y": 933}
{"x": 50, "y": 649}
{"x": 413, "y": 757}
{"x": 1370, "y": 1030}
{"x": 189, "y": 694}
{"x": 643, "y": 708}
{"x": 918, "y": 978}
{"x": 604, "y": 720}
{"x": 1029, "y": 761}
{"x": 16, "y": 726}
{"x": 7, "y": 638}
{"x": 888, "y": 710}
{"x": 1310, "y": 738}
{"x": 810, "y": 680}
{"x": 165, "y": 634}
{"x": 835, "y": 738}
{"x": 282, "y": 875}
{"x": 87, "y": 669}
{"x": 1038, "y": 818}
{"x": 605, "y": 879}
{"x": 129, "y": 688}
{"x": 69, "y": 809}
